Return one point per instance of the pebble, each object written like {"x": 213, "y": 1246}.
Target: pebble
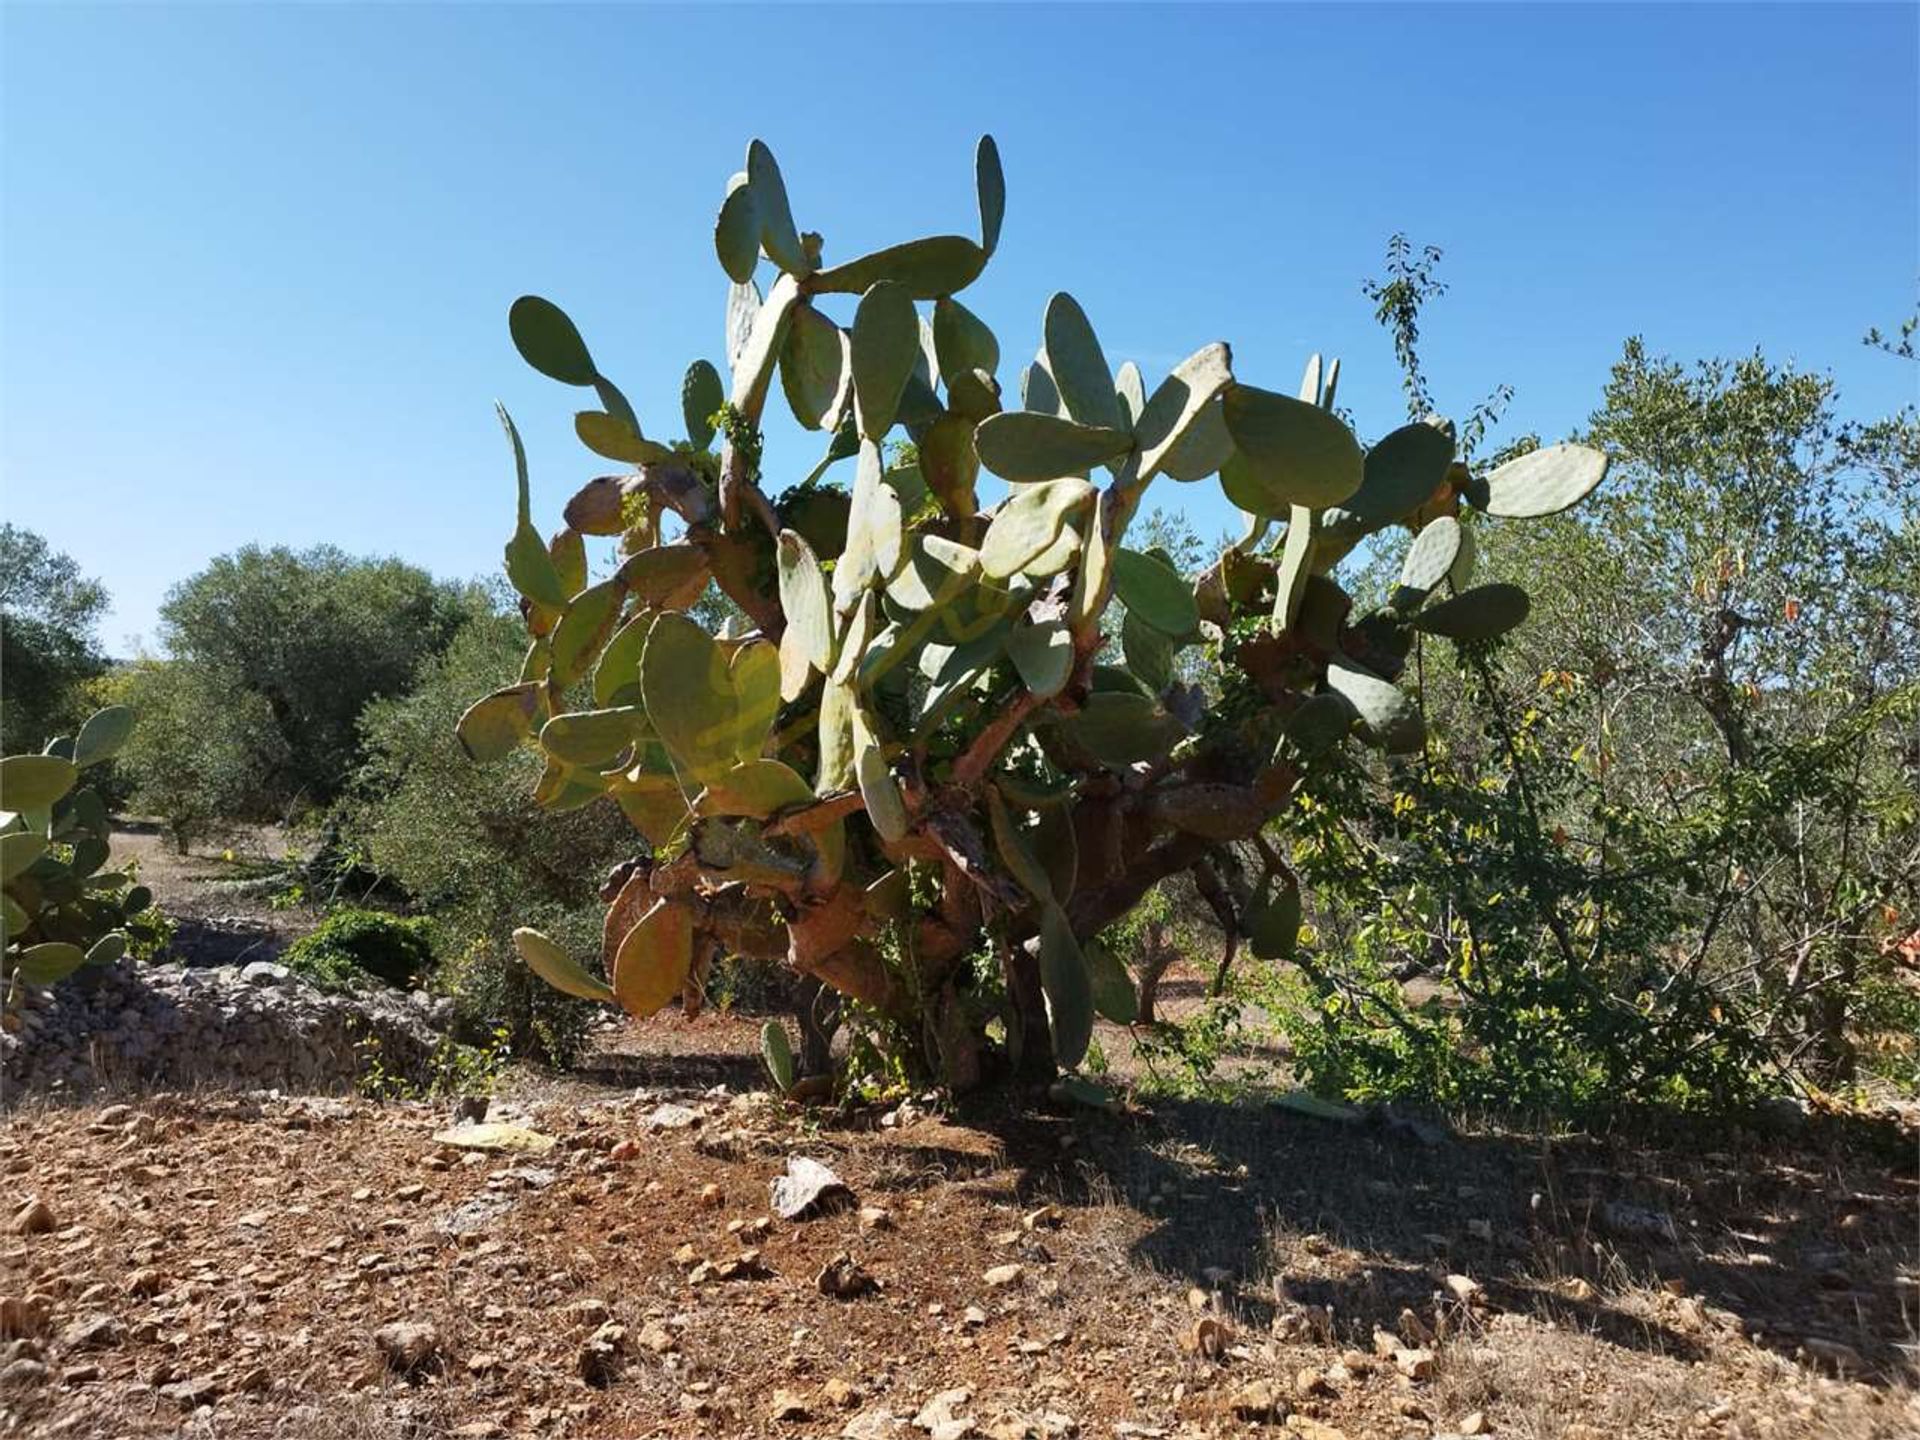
{"x": 1258, "y": 1400}
{"x": 1001, "y": 1276}
{"x": 409, "y": 1345}
{"x": 34, "y": 1218}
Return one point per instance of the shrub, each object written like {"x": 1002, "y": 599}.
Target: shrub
{"x": 351, "y": 946}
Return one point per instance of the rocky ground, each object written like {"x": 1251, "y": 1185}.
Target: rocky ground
{"x": 239, "y": 1266}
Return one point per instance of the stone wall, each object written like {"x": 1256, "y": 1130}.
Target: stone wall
{"x": 258, "y": 1025}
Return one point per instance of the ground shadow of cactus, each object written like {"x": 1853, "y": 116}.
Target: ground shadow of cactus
{"x": 1791, "y": 1238}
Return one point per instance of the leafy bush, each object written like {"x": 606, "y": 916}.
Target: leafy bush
{"x": 49, "y": 642}
{"x": 460, "y": 840}
{"x": 274, "y": 654}
{"x": 350, "y": 947}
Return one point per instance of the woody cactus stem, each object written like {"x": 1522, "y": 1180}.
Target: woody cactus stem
{"x": 910, "y": 757}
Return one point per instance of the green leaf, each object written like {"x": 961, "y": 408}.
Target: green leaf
{"x": 924, "y": 269}
{"x": 755, "y": 676}
{"x": 1029, "y": 521}
{"x": 1027, "y": 447}
{"x": 1069, "y": 992}
{"x": 701, "y": 396}
{"x": 991, "y": 184}
{"x": 557, "y": 968}
{"x": 1152, "y": 589}
{"x": 34, "y": 782}
{"x": 813, "y": 367}
{"x": 1301, "y": 451}
{"x": 548, "y": 341}
{"x": 885, "y": 344}
{"x": 102, "y": 735}
{"x": 1079, "y": 366}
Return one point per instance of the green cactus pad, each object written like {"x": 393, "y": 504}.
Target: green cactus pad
{"x": 990, "y": 183}
{"x": 1180, "y": 429}
{"x": 935, "y": 572}
{"x": 651, "y": 966}
{"x": 885, "y": 348}
{"x": 1461, "y": 571}
{"x": 701, "y": 396}
{"x": 813, "y": 367}
{"x": 1069, "y": 991}
{"x": 736, "y": 233}
{"x": 18, "y": 851}
{"x": 593, "y": 738}
{"x": 102, "y": 735}
{"x": 1114, "y": 997}
{"x": 493, "y": 725}
{"x": 1079, "y": 366}
{"x": 1299, "y": 450}
{"x": 777, "y": 1054}
{"x": 1016, "y": 853}
{"x": 962, "y": 343}
{"x": 48, "y": 963}
{"x": 881, "y": 792}
{"x": 1273, "y": 920}
{"x": 924, "y": 269}
{"x": 1388, "y": 716}
{"x": 34, "y": 782}
{"x": 557, "y": 968}
{"x": 1542, "y": 482}
{"x": 596, "y": 506}
{"x": 1148, "y": 652}
{"x": 1429, "y": 559}
{"x": 755, "y": 675}
{"x": 1152, "y": 589}
{"x": 569, "y": 554}
{"x": 1482, "y": 613}
{"x": 1029, "y": 522}
{"x": 665, "y": 577}
{"x": 804, "y": 600}
{"x": 1296, "y": 565}
{"x": 653, "y": 805}
{"x": 754, "y": 788}
{"x": 685, "y": 679}
{"x": 1038, "y": 393}
{"x": 614, "y": 438}
{"x": 1130, "y": 386}
{"x": 548, "y": 341}
{"x": 753, "y": 370}
{"x": 1120, "y": 728}
{"x": 1401, "y": 473}
{"x": 1027, "y": 447}
{"x": 778, "y": 236}
{"x": 616, "y": 679}
{"x": 1043, "y": 654}
{"x": 584, "y": 630}
{"x": 529, "y": 566}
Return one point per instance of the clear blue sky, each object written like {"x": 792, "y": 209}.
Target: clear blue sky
{"x": 257, "y": 259}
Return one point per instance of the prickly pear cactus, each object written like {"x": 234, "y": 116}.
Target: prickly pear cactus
{"x": 910, "y": 753}
{"x": 62, "y": 907}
